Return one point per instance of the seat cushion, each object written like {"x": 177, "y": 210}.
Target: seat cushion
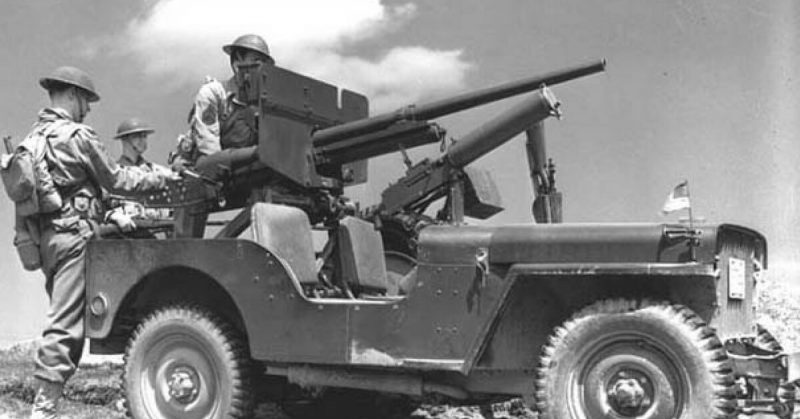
{"x": 286, "y": 232}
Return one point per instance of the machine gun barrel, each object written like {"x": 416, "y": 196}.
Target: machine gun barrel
{"x": 428, "y": 180}
{"x": 506, "y": 126}
{"x": 454, "y": 104}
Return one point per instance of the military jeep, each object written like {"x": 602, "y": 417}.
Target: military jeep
{"x": 303, "y": 294}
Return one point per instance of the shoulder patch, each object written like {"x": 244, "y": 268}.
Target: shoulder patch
{"x": 209, "y": 116}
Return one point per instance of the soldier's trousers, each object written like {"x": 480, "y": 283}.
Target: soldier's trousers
{"x": 63, "y": 251}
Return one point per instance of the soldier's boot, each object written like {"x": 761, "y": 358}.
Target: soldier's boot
{"x": 45, "y": 403}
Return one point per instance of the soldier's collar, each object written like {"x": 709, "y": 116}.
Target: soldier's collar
{"x": 55, "y": 113}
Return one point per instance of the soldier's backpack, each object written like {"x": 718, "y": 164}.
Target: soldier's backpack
{"x": 26, "y": 174}
{"x": 28, "y": 182}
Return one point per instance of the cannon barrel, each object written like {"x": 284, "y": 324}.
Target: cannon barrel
{"x": 454, "y": 104}
{"x": 429, "y": 180}
{"x": 502, "y": 128}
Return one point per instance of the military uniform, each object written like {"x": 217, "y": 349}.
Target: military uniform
{"x": 81, "y": 168}
{"x": 217, "y": 121}
{"x": 134, "y": 208}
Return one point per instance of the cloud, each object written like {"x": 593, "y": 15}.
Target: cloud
{"x": 180, "y": 40}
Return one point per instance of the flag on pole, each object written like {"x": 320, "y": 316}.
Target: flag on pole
{"x": 678, "y": 199}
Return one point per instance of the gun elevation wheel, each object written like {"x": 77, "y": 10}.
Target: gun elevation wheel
{"x": 628, "y": 359}
{"x": 183, "y": 362}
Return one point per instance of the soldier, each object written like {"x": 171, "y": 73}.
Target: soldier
{"x": 133, "y": 134}
{"x": 217, "y": 121}
{"x": 80, "y": 167}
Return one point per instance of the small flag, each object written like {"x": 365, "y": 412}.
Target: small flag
{"x": 678, "y": 199}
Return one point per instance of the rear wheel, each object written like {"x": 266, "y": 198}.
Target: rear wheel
{"x": 183, "y": 362}
{"x": 628, "y": 359}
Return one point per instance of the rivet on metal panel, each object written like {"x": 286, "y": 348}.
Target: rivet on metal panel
{"x": 320, "y": 307}
{"x": 454, "y": 330}
{"x": 271, "y": 297}
{"x": 395, "y": 307}
{"x": 256, "y": 279}
{"x": 438, "y": 292}
{"x": 455, "y": 292}
{"x": 438, "y": 330}
{"x": 438, "y": 270}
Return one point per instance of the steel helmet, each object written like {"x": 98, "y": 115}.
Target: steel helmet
{"x": 250, "y": 42}
{"x": 70, "y": 76}
{"x": 132, "y": 126}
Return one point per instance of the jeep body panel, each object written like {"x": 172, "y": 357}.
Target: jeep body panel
{"x": 484, "y": 298}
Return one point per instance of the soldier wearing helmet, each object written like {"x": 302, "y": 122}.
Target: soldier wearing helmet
{"x": 80, "y": 168}
{"x": 133, "y": 134}
{"x": 218, "y": 121}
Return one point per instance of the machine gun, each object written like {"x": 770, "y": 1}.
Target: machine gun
{"x": 430, "y": 180}
{"x": 313, "y": 140}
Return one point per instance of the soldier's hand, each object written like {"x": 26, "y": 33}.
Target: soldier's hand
{"x": 179, "y": 164}
{"x": 173, "y": 175}
{"x": 123, "y": 221}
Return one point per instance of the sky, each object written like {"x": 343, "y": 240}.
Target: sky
{"x": 700, "y": 90}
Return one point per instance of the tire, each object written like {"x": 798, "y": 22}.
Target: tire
{"x": 630, "y": 359}
{"x": 183, "y": 362}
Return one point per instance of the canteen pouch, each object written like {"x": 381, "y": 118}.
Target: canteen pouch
{"x": 28, "y": 251}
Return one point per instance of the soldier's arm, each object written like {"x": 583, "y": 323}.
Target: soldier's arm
{"x": 204, "y": 120}
{"x": 111, "y": 176}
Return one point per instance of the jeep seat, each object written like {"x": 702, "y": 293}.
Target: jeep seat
{"x": 286, "y": 233}
{"x": 363, "y": 265}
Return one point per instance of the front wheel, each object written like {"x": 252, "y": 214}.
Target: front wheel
{"x": 183, "y": 362}
{"x": 628, "y": 359}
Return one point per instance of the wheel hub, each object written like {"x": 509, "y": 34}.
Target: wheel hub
{"x": 183, "y": 384}
{"x": 630, "y": 393}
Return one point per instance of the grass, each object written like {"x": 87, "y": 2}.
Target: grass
{"x": 94, "y": 392}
